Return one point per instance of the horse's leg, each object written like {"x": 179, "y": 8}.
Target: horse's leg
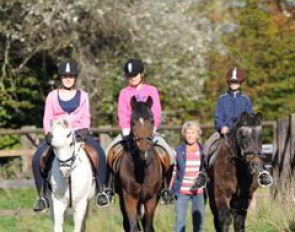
{"x": 79, "y": 215}
{"x": 59, "y": 208}
{"x": 224, "y": 217}
{"x": 240, "y": 213}
{"x": 149, "y": 212}
{"x": 213, "y": 207}
{"x": 223, "y": 209}
{"x": 126, "y": 225}
{"x": 130, "y": 205}
{"x": 239, "y": 220}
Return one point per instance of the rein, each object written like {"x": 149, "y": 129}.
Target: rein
{"x": 234, "y": 154}
{"x": 229, "y": 147}
{"x": 64, "y": 163}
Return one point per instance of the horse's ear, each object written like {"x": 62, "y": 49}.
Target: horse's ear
{"x": 244, "y": 117}
{"x": 133, "y": 102}
{"x": 258, "y": 118}
{"x": 149, "y": 102}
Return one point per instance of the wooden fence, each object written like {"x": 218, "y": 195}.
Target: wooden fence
{"x": 284, "y": 159}
{"x": 30, "y": 138}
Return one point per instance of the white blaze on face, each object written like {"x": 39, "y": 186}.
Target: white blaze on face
{"x": 141, "y": 121}
{"x": 234, "y": 74}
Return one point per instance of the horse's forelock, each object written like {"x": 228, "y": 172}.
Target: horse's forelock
{"x": 248, "y": 119}
{"x": 141, "y": 110}
{"x": 141, "y": 120}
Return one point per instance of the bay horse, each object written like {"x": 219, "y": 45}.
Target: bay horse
{"x": 140, "y": 173}
{"x": 71, "y": 179}
{"x": 233, "y": 176}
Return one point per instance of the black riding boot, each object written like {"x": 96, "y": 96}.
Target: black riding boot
{"x": 166, "y": 196}
{"x": 109, "y": 190}
{"x": 41, "y": 204}
{"x": 102, "y": 199}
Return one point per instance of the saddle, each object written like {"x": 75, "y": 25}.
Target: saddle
{"x": 164, "y": 157}
{"x": 212, "y": 153}
{"x": 113, "y": 156}
{"x": 47, "y": 157}
{"x": 117, "y": 150}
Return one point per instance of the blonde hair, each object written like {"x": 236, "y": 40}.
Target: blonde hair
{"x": 191, "y": 125}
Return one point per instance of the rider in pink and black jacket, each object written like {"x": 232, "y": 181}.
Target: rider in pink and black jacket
{"x": 134, "y": 71}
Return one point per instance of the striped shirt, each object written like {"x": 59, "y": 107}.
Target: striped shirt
{"x": 192, "y": 166}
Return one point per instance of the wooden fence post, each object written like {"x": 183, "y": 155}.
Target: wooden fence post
{"x": 282, "y": 171}
{"x": 27, "y": 144}
{"x": 104, "y": 138}
{"x": 292, "y": 155}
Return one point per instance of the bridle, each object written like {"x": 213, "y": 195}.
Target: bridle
{"x": 234, "y": 154}
{"x": 148, "y": 139}
{"x": 70, "y": 161}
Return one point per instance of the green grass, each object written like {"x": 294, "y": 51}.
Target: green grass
{"x": 268, "y": 216}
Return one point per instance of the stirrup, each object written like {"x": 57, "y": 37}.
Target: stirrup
{"x": 104, "y": 195}
{"x": 259, "y": 179}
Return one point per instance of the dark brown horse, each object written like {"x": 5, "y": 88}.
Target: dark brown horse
{"x": 234, "y": 173}
{"x": 140, "y": 173}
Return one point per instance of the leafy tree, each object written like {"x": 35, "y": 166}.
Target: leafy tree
{"x": 263, "y": 44}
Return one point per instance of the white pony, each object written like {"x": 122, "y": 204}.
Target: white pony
{"x": 71, "y": 178}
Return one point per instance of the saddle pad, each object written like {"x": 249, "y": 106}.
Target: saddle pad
{"x": 164, "y": 157}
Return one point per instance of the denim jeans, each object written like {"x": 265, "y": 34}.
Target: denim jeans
{"x": 181, "y": 207}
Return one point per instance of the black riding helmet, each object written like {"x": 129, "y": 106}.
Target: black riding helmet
{"x": 68, "y": 68}
{"x": 133, "y": 67}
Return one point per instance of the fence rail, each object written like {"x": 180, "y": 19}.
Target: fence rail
{"x": 30, "y": 134}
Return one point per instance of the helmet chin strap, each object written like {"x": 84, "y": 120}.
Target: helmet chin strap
{"x": 69, "y": 88}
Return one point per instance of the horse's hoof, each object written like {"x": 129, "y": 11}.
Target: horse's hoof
{"x": 102, "y": 200}
{"x": 265, "y": 179}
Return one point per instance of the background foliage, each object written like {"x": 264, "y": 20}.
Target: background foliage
{"x": 187, "y": 47}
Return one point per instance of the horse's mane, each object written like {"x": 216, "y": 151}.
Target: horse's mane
{"x": 248, "y": 119}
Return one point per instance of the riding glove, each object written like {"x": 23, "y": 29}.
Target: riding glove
{"x": 127, "y": 142}
{"x": 48, "y": 138}
{"x": 81, "y": 134}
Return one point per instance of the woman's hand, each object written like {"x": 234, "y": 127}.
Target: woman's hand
{"x": 224, "y": 130}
